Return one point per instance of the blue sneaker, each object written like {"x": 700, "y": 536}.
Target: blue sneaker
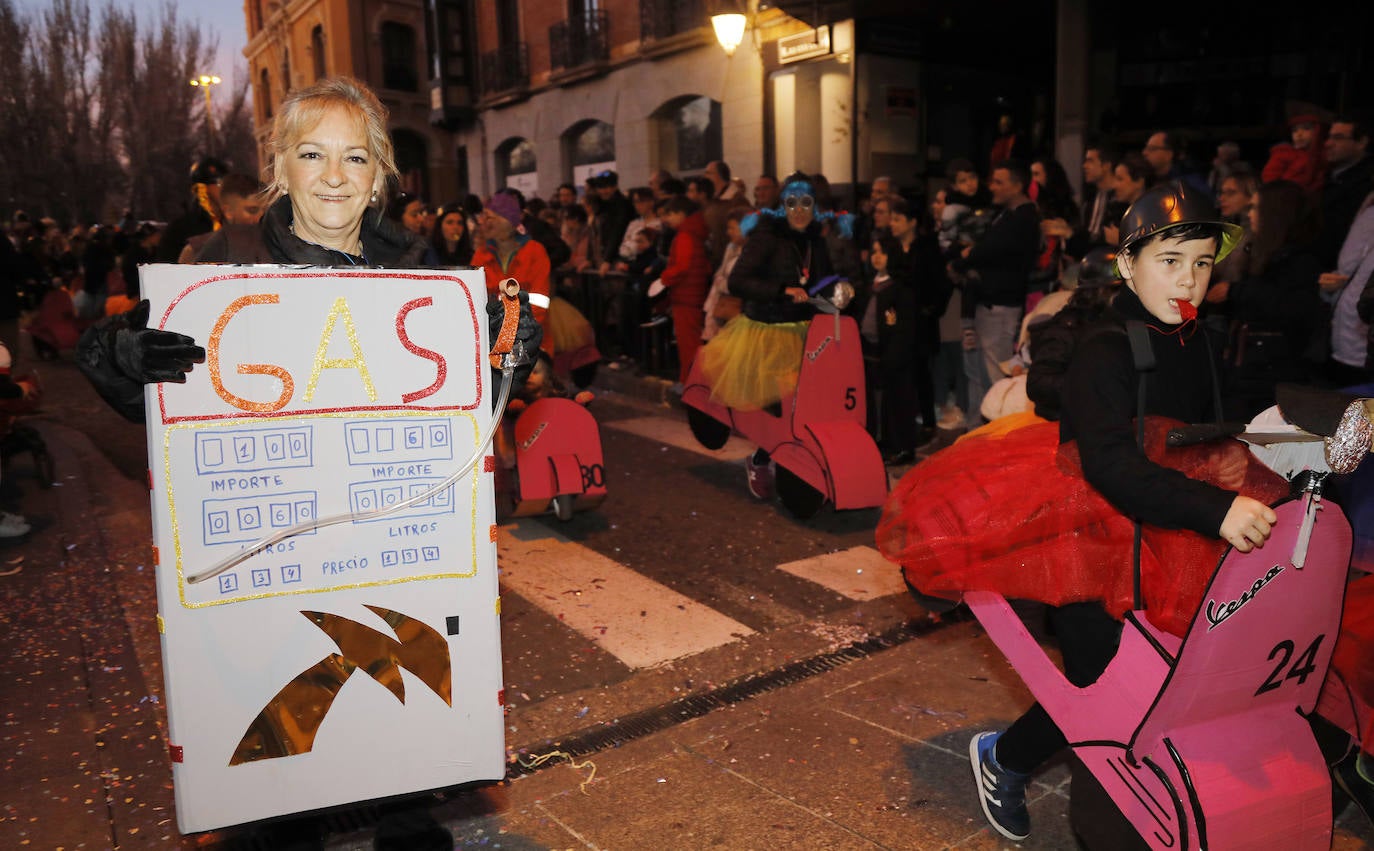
{"x": 1001, "y": 792}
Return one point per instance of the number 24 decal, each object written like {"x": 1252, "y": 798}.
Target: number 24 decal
{"x": 1303, "y": 667}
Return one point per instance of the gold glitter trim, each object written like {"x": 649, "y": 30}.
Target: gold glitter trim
{"x": 161, "y": 625}
{"x": 498, "y": 604}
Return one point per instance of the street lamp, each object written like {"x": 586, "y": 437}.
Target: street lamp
{"x": 729, "y": 29}
{"x": 732, "y": 19}
{"x": 205, "y": 81}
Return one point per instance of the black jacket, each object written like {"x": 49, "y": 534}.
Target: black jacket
{"x": 385, "y": 243}
{"x": 1342, "y": 195}
{"x": 1003, "y": 259}
{"x": 1099, "y": 398}
{"x": 916, "y": 296}
{"x": 1283, "y": 297}
{"x": 613, "y": 216}
{"x": 775, "y": 257}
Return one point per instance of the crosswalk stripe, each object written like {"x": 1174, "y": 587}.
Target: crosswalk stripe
{"x": 640, "y": 622}
{"x": 675, "y": 432}
{"x": 859, "y": 573}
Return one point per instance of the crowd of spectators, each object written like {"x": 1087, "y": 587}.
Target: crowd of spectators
{"x": 956, "y": 265}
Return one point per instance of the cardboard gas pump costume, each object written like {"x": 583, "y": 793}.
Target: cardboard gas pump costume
{"x": 355, "y": 656}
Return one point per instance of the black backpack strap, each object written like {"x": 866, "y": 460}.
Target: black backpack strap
{"x": 1144, "y": 358}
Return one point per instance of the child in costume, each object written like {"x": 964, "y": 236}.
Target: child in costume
{"x": 754, "y": 360}
{"x": 1061, "y": 514}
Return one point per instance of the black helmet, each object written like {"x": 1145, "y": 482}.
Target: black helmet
{"x": 1169, "y": 205}
{"x": 1098, "y": 268}
{"x": 208, "y": 170}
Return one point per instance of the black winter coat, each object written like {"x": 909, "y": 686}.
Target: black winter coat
{"x": 775, "y": 257}
{"x": 385, "y": 243}
{"x": 917, "y": 295}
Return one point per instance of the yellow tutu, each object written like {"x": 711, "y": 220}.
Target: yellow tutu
{"x": 751, "y": 364}
{"x": 568, "y": 327}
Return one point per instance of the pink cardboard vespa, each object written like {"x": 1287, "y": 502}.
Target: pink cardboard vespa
{"x": 1202, "y": 742}
{"x": 816, "y": 437}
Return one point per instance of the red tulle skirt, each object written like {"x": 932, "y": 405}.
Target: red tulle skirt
{"x": 1012, "y": 513}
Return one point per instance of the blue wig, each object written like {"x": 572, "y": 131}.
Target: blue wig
{"x": 795, "y": 186}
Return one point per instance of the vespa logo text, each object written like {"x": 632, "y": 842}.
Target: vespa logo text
{"x": 1219, "y": 612}
{"x": 817, "y": 353}
{"x": 538, "y": 430}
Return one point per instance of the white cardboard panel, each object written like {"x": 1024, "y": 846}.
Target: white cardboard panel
{"x": 326, "y": 391}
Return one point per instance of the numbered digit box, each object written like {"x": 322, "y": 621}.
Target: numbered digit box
{"x": 250, "y": 517}
{"x": 438, "y": 434}
{"x": 414, "y": 437}
{"x": 290, "y": 573}
{"x": 430, "y": 553}
{"x": 388, "y": 558}
{"x": 274, "y": 445}
{"x": 305, "y": 510}
{"x": 443, "y": 499}
{"x": 216, "y": 523}
{"x": 410, "y": 555}
{"x": 391, "y": 496}
{"x": 211, "y": 453}
{"x": 279, "y": 514}
{"x": 386, "y": 439}
{"x": 262, "y": 577}
{"x": 245, "y": 450}
{"x": 299, "y": 444}
{"x": 228, "y": 583}
{"x": 359, "y": 442}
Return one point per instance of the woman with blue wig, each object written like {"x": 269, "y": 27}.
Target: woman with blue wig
{"x": 752, "y": 363}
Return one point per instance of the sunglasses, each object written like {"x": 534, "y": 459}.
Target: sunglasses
{"x": 804, "y": 202}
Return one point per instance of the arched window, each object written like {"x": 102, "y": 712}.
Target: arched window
{"x": 265, "y": 92}
{"x": 516, "y": 165}
{"x": 398, "y": 57}
{"x": 588, "y": 148}
{"x": 412, "y": 161}
{"x": 687, "y": 133}
{"x": 317, "y": 52}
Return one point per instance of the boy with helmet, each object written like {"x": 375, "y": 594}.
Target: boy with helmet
{"x": 1172, "y": 236}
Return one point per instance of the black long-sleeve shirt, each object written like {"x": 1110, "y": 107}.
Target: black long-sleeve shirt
{"x": 1100, "y": 403}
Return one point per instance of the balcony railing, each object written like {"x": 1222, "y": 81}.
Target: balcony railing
{"x": 660, "y": 19}
{"x": 580, "y": 40}
{"x": 505, "y": 69}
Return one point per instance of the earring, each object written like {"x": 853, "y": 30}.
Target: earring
{"x": 374, "y": 196}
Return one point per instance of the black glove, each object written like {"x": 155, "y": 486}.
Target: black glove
{"x": 150, "y": 356}
{"x": 528, "y": 335}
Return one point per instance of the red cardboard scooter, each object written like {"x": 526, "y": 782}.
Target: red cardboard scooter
{"x": 819, "y": 445}
{"x": 558, "y": 462}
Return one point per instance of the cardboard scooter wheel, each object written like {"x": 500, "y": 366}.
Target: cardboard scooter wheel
{"x": 709, "y": 431}
{"x": 798, "y": 497}
{"x": 563, "y": 507}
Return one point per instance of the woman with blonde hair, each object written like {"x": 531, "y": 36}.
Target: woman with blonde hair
{"x": 331, "y": 159}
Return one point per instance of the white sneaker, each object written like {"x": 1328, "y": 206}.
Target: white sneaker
{"x": 951, "y": 418}
{"x": 12, "y": 525}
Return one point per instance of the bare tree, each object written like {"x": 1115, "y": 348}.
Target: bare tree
{"x": 155, "y": 106}
{"x": 99, "y": 117}
{"x": 237, "y": 139}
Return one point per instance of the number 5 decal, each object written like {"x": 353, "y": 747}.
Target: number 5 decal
{"x": 850, "y": 400}
{"x": 1303, "y": 667}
